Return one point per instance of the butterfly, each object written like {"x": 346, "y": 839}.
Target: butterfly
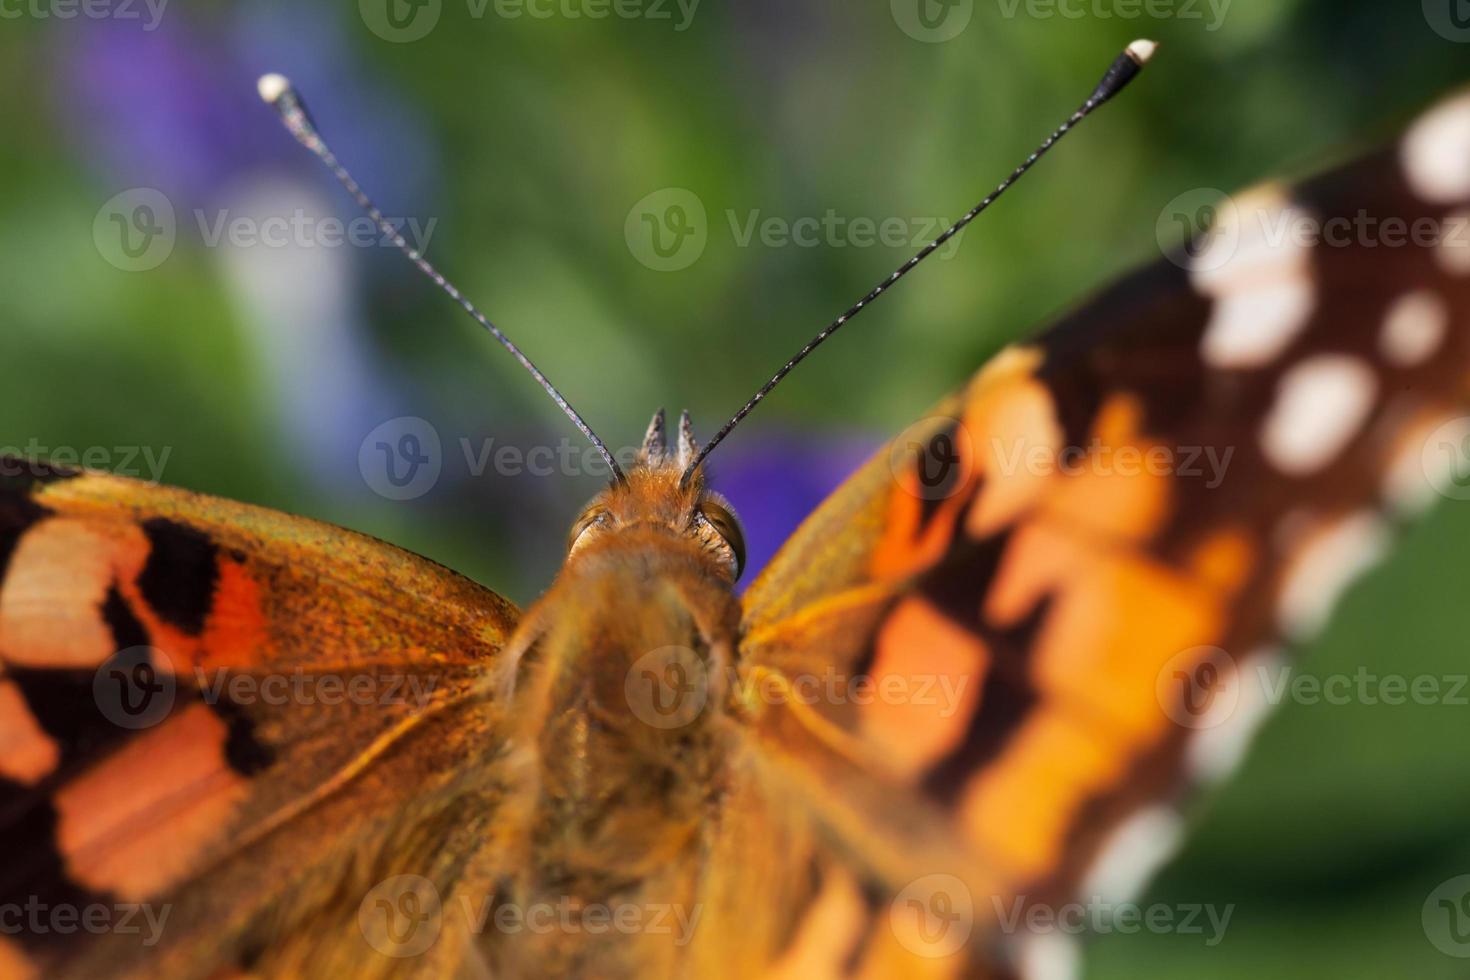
{"x": 981, "y": 678}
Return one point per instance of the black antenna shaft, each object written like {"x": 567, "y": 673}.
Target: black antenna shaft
{"x": 278, "y": 92}
{"x": 1122, "y": 71}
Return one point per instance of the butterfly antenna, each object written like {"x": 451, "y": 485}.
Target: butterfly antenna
{"x": 1122, "y": 71}
{"x": 278, "y": 92}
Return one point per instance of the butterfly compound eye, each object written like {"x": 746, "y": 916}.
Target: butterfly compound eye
{"x": 591, "y": 518}
{"x": 722, "y": 518}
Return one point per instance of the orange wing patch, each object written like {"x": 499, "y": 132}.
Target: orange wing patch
{"x": 1117, "y": 486}
{"x": 925, "y": 509}
{"x": 133, "y": 837}
{"x": 163, "y": 656}
{"x": 1071, "y": 630}
{"x": 14, "y": 963}
{"x": 56, "y": 587}
{"x": 926, "y": 681}
{"x": 1129, "y": 539}
{"x": 1020, "y": 810}
{"x": 831, "y": 928}
{"x": 58, "y": 598}
{"x": 1014, "y": 418}
{"x": 27, "y": 753}
{"x": 1225, "y": 559}
{"x": 1114, "y": 623}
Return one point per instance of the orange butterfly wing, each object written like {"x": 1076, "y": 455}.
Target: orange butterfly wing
{"x": 215, "y": 718}
{"x": 1064, "y": 578}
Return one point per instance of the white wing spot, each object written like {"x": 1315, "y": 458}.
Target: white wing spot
{"x": 1453, "y": 254}
{"x": 1330, "y": 561}
{"x": 1216, "y": 752}
{"x": 1257, "y": 268}
{"x": 1414, "y": 328}
{"x": 1321, "y": 404}
{"x": 1435, "y": 153}
{"x": 1050, "y": 956}
{"x": 1407, "y": 489}
{"x": 1136, "y": 849}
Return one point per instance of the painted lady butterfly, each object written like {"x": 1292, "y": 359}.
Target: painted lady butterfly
{"x": 987, "y": 669}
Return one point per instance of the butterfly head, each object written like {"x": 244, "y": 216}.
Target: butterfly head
{"x": 656, "y": 496}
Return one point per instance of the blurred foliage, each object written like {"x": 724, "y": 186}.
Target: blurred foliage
{"x": 529, "y": 140}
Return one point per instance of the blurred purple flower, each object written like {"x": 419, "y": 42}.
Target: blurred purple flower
{"x": 175, "y": 108}
{"x": 781, "y": 479}
{"x": 161, "y": 109}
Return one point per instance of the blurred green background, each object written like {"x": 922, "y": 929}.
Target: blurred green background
{"x": 536, "y": 145}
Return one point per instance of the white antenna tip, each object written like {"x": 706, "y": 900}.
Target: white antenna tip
{"x": 271, "y": 87}
{"x": 1142, "y": 50}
